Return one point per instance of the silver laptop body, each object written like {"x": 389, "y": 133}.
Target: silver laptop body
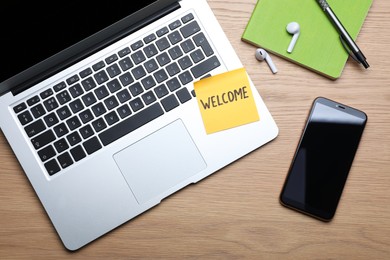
{"x": 96, "y": 167}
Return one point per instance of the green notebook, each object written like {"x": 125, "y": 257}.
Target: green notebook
{"x": 319, "y": 47}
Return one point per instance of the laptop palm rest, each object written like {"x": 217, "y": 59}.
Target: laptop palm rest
{"x": 159, "y": 161}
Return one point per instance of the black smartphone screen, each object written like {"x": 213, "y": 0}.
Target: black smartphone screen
{"x": 322, "y": 161}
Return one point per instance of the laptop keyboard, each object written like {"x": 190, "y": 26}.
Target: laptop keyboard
{"x": 113, "y": 97}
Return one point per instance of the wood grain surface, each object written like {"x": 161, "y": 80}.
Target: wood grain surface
{"x": 235, "y": 213}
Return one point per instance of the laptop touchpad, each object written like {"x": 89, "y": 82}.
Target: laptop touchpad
{"x": 159, "y": 161}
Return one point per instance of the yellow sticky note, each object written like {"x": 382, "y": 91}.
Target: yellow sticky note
{"x": 226, "y": 101}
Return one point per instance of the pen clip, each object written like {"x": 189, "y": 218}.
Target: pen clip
{"x": 348, "y": 50}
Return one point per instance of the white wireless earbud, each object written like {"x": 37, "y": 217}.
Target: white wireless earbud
{"x": 293, "y": 28}
{"x": 261, "y": 55}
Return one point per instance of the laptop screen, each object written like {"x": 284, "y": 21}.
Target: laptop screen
{"x": 32, "y": 31}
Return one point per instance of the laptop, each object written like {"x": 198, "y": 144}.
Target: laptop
{"x": 98, "y": 105}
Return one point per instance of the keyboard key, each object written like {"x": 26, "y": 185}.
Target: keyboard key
{"x": 65, "y": 160}
{"x": 111, "y": 118}
{"x": 113, "y": 70}
{"x": 170, "y": 102}
{"x": 175, "y": 37}
{"x": 131, "y": 123}
{"x": 92, "y": 145}
{"x": 200, "y": 40}
{"x": 76, "y": 106}
{"x": 101, "y": 77}
{"x": 187, "y": 18}
{"x": 126, "y": 79}
{"x": 187, "y": 45}
{"x": 73, "y": 123}
{"x": 124, "y": 111}
{"x": 136, "y": 104}
{"x": 47, "y": 153}
{"x": 61, "y": 130}
{"x": 138, "y": 57}
{"x": 183, "y": 95}
{"x": 151, "y": 65}
{"x": 59, "y": 86}
{"x": 123, "y": 95}
{"x": 114, "y": 86}
{"x": 173, "y": 84}
{"x": 72, "y": 79}
{"x": 63, "y": 112}
{"x": 86, "y": 131}
{"x": 76, "y": 90}
{"x": 175, "y": 52}
{"x": 162, "y": 31}
{"x": 135, "y": 46}
{"x": 206, "y": 76}
{"x": 43, "y": 139}
{"x": 197, "y": 56}
{"x": 77, "y": 153}
{"x": 138, "y": 72}
{"x": 52, "y": 167}
{"x": 150, "y": 50}
{"x": 86, "y": 116}
{"x": 19, "y": 108}
{"x": 175, "y": 25}
{"x": 163, "y": 59}
{"x": 125, "y": 64}
{"x": 99, "y": 125}
{"x": 47, "y": 93}
{"x": 51, "y": 119}
{"x": 173, "y": 69}
{"x": 33, "y": 100}
{"x": 63, "y": 97}
{"x": 99, "y": 109}
{"x": 88, "y": 99}
{"x": 35, "y": 128}
{"x": 185, "y": 77}
{"x": 88, "y": 83}
{"x": 111, "y": 102}
{"x": 149, "y": 38}
{"x": 190, "y": 29}
{"x": 148, "y": 98}
{"x": 205, "y": 67}
{"x": 185, "y": 62}
{"x": 163, "y": 44}
{"x": 161, "y": 91}
{"x": 50, "y": 104}
{"x": 73, "y": 138}
{"x": 101, "y": 92}
{"x": 61, "y": 145}
{"x": 85, "y": 73}
{"x": 110, "y": 59}
{"x": 148, "y": 82}
{"x": 124, "y": 52}
{"x": 160, "y": 76}
{"x": 98, "y": 66}
{"x": 136, "y": 89}
{"x": 38, "y": 111}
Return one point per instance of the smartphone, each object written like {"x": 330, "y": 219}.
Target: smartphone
{"x": 323, "y": 158}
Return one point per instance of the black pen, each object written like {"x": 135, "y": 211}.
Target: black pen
{"x": 344, "y": 35}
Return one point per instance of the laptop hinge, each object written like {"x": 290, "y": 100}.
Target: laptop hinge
{"x": 95, "y": 48}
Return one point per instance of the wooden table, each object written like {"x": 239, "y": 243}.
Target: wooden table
{"x": 235, "y": 213}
